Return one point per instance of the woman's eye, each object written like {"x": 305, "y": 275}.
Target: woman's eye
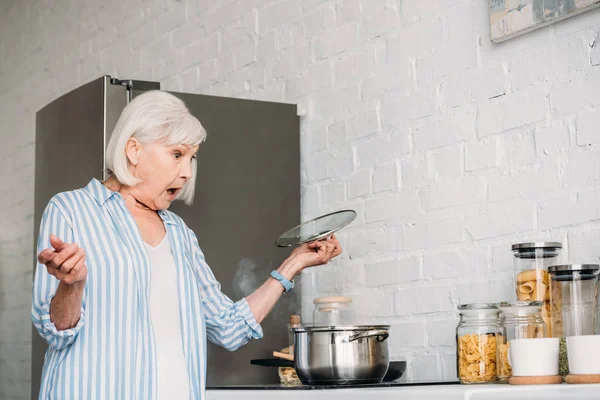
{"x": 177, "y": 155}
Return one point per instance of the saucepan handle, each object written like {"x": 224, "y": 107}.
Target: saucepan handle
{"x": 380, "y": 334}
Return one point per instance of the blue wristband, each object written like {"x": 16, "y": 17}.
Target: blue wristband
{"x": 287, "y": 285}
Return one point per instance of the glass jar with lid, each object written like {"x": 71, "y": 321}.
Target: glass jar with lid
{"x": 531, "y": 262}
{"x": 573, "y": 291}
{"x": 333, "y": 311}
{"x": 519, "y": 320}
{"x": 476, "y": 346}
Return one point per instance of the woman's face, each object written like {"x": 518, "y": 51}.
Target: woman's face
{"x": 163, "y": 171}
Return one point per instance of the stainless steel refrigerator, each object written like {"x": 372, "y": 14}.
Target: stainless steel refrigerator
{"x": 247, "y": 194}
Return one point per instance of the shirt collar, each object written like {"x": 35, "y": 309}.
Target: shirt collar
{"x": 101, "y": 194}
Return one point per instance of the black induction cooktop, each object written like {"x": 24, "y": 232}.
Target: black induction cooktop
{"x": 278, "y": 386}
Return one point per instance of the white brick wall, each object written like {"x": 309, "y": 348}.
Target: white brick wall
{"x": 449, "y": 147}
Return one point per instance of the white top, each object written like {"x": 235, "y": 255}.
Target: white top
{"x": 163, "y": 301}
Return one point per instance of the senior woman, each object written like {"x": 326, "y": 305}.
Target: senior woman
{"x": 122, "y": 292}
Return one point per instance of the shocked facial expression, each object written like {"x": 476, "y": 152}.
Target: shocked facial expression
{"x": 163, "y": 171}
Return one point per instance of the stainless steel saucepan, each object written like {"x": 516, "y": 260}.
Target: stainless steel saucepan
{"x": 341, "y": 354}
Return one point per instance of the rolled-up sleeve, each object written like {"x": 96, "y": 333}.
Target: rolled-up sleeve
{"x": 228, "y": 324}
{"x": 45, "y": 285}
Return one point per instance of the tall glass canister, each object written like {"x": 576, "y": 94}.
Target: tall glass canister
{"x": 573, "y": 291}
{"x": 476, "y": 348}
{"x": 531, "y": 262}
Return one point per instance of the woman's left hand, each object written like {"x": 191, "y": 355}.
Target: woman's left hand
{"x": 316, "y": 253}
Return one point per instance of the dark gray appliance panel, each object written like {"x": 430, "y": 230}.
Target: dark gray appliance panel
{"x": 247, "y": 194}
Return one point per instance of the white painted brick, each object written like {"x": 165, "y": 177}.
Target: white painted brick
{"x": 333, "y": 193}
{"x": 481, "y": 155}
{"x": 466, "y": 190}
{"x": 316, "y": 166}
{"x": 406, "y": 334}
{"x": 582, "y": 168}
{"x": 442, "y": 332}
{"x": 244, "y": 55}
{"x": 452, "y": 59}
{"x": 445, "y": 129}
{"x": 276, "y": 13}
{"x": 414, "y": 170}
{"x": 416, "y": 39}
{"x": 595, "y": 53}
{"x": 588, "y": 128}
{"x": 313, "y": 80}
{"x": 363, "y": 124}
{"x": 502, "y": 219}
{"x": 317, "y": 140}
{"x": 359, "y": 184}
{"x": 488, "y": 83}
{"x": 385, "y": 177}
{"x": 551, "y": 139}
{"x": 474, "y": 292}
{"x": 528, "y": 183}
{"x": 201, "y": 51}
{"x": 511, "y": 111}
{"x": 351, "y": 69}
{"x": 423, "y": 300}
{"x": 393, "y": 272}
{"x": 425, "y": 367}
{"x": 340, "y": 162}
{"x": 517, "y": 149}
{"x": 348, "y": 9}
{"x": 503, "y": 290}
{"x": 344, "y": 39}
{"x": 373, "y": 302}
{"x": 449, "y": 366}
{"x": 453, "y": 92}
{"x": 502, "y": 258}
{"x": 331, "y": 105}
{"x": 447, "y": 161}
{"x": 336, "y": 134}
{"x": 583, "y": 246}
{"x": 381, "y": 149}
{"x": 392, "y": 206}
{"x": 365, "y": 243}
{"x": 316, "y": 23}
{"x": 568, "y": 210}
{"x": 381, "y": 22}
{"x": 576, "y": 96}
{"x": 455, "y": 263}
{"x": 397, "y": 81}
{"x": 410, "y": 107}
{"x": 310, "y": 197}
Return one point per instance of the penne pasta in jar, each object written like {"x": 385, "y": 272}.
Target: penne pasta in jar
{"x": 532, "y": 282}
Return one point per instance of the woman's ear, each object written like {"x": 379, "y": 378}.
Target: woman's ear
{"x": 132, "y": 149}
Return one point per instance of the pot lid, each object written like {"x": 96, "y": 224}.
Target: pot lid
{"x": 316, "y": 229}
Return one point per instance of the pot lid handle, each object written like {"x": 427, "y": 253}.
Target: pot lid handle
{"x": 379, "y": 333}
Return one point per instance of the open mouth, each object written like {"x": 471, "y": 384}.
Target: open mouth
{"x": 172, "y": 191}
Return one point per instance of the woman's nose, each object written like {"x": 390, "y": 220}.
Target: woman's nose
{"x": 186, "y": 171}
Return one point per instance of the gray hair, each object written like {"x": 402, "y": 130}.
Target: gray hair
{"x": 154, "y": 116}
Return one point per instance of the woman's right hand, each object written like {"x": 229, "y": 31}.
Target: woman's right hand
{"x": 66, "y": 262}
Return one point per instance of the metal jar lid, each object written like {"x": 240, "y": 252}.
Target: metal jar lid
{"x": 573, "y": 268}
{"x": 537, "y": 245}
{"x": 477, "y": 306}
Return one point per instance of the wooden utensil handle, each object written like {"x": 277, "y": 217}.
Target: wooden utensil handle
{"x": 283, "y": 355}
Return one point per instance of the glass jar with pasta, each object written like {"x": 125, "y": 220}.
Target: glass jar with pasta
{"x": 531, "y": 262}
{"x": 476, "y": 346}
{"x": 518, "y": 320}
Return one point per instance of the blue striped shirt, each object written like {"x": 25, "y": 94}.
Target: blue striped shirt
{"x": 110, "y": 353}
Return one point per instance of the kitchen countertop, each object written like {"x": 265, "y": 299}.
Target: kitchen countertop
{"x": 411, "y": 391}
